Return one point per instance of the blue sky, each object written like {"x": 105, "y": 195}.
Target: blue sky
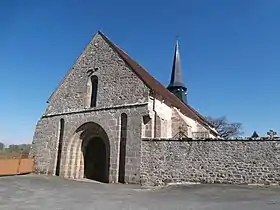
{"x": 229, "y": 51}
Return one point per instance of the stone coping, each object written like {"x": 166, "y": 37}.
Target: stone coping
{"x": 265, "y": 139}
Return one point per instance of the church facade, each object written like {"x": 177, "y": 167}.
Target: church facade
{"x": 101, "y": 111}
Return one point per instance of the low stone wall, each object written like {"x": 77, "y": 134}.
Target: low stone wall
{"x": 225, "y": 162}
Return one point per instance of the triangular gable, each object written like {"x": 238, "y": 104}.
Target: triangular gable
{"x": 150, "y": 82}
{"x": 69, "y": 71}
{"x": 157, "y": 87}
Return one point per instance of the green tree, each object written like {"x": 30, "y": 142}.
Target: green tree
{"x": 2, "y": 146}
{"x": 13, "y": 148}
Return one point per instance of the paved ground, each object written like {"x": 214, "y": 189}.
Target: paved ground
{"x": 52, "y": 193}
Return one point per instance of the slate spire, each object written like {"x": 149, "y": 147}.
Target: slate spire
{"x": 176, "y": 85}
{"x": 255, "y": 135}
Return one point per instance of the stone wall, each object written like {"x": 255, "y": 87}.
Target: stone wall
{"x": 115, "y": 81}
{"x": 45, "y": 142}
{"x": 226, "y": 162}
{"x": 70, "y": 102}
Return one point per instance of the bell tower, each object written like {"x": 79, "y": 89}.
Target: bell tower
{"x": 176, "y": 85}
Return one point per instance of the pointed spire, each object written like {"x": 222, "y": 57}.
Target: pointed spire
{"x": 176, "y": 75}
{"x": 255, "y": 135}
{"x": 176, "y": 85}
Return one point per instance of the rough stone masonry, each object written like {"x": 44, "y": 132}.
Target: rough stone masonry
{"x": 69, "y": 102}
{"x": 96, "y": 121}
{"x": 225, "y": 162}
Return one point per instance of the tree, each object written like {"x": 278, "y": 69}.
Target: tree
{"x": 19, "y": 148}
{"x": 2, "y": 146}
{"x": 13, "y": 148}
{"x": 225, "y": 128}
{"x": 25, "y": 148}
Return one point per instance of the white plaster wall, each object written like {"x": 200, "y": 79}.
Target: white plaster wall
{"x": 165, "y": 113}
{"x": 196, "y": 126}
{"x": 212, "y": 136}
{"x": 190, "y": 122}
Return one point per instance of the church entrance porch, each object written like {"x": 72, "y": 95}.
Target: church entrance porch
{"x": 96, "y": 166}
{"x": 88, "y": 154}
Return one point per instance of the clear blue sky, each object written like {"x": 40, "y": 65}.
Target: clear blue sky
{"x": 229, "y": 50}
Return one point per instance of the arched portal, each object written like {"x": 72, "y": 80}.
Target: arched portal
{"x": 95, "y": 160}
{"x": 89, "y": 153}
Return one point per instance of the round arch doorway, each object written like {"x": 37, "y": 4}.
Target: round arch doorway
{"x": 95, "y": 147}
{"x": 96, "y": 162}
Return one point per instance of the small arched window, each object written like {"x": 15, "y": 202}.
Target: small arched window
{"x": 94, "y": 87}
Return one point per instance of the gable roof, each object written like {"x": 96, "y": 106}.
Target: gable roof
{"x": 157, "y": 87}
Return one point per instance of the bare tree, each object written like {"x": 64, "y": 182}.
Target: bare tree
{"x": 225, "y": 128}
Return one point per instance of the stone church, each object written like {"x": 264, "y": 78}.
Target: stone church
{"x": 101, "y": 111}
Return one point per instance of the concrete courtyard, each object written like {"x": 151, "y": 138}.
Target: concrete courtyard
{"x": 53, "y": 193}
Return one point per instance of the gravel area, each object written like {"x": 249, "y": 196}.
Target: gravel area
{"x": 53, "y": 193}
